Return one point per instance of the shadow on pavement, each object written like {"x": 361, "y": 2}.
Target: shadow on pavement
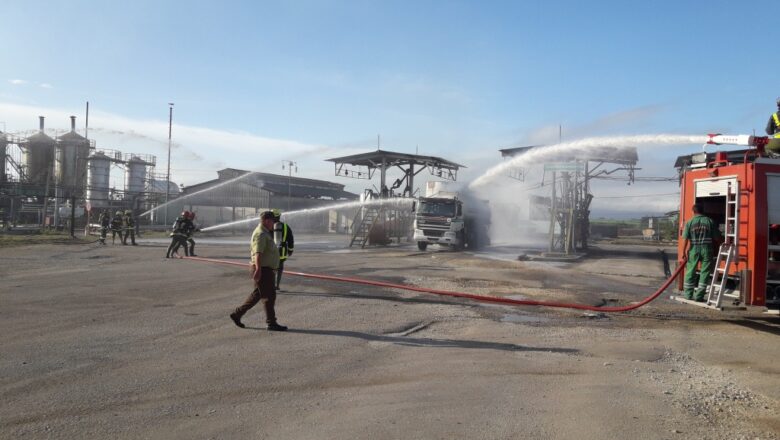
{"x": 766, "y": 325}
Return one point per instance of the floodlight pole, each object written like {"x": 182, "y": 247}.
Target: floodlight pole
{"x": 290, "y": 164}
{"x": 168, "y": 174}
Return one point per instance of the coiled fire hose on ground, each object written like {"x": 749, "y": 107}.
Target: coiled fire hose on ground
{"x": 482, "y": 298}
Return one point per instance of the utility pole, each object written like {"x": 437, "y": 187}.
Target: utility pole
{"x": 168, "y": 174}
{"x": 290, "y": 164}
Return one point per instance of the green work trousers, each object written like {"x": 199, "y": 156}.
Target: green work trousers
{"x": 695, "y": 286}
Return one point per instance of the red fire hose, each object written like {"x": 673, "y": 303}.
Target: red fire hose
{"x": 491, "y": 299}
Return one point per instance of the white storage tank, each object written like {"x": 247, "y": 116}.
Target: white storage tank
{"x": 39, "y": 157}
{"x": 135, "y": 178}
{"x": 71, "y": 162}
{"x": 98, "y": 174}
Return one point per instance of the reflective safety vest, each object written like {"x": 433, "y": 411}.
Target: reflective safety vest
{"x": 283, "y": 239}
{"x": 777, "y": 125}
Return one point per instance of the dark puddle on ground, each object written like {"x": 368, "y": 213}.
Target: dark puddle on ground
{"x": 524, "y": 318}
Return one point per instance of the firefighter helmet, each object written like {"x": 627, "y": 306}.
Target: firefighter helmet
{"x": 118, "y": 213}
{"x": 128, "y": 211}
{"x": 185, "y": 214}
{"x": 277, "y": 213}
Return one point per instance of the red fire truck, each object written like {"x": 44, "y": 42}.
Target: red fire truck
{"x": 740, "y": 191}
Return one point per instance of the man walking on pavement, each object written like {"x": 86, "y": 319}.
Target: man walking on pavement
{"x": 699, "y": 234}
{"x": 283, "y": 237}
{"x": 265, "y": 260}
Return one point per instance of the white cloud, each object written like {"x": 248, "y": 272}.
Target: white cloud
{"x": 17, "y": 82}
{"x": 46, "y": 86}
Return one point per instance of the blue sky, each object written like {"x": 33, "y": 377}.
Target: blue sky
{"x": 257, "y": 82}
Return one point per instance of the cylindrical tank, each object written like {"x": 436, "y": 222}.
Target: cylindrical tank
{"x": 71, "y": 162}
{"x": 38, "y": 157}
{"x": 3, "y": 148}
{"x": 99, "y": 168}
{"x": 135, "y": 178}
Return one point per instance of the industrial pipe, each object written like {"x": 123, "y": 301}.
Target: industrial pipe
{"x": 490, "y": 299}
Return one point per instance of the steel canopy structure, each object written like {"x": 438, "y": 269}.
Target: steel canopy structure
{"x": 380, "y": 224}
{"x": 365, "y": 165}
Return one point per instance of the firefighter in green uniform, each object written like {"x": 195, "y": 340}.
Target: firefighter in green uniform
{"x": 699, "y": 234}
{"x": 773, "y": 130}
{"x": 283, "y": 237}
{"x": 129, "y": 227}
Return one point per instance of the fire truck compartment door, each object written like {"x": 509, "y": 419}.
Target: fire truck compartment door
{"x": 714, "y": 187}
{"x": 773, "y": 198}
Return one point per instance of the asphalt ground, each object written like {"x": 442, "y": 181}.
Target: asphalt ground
{"x": 119, "y": 342}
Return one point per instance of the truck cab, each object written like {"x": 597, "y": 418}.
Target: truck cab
{"x": 450, "y": 218}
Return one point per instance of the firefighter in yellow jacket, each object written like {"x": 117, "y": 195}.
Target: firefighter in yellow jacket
{"x": 129, "y": 223}
{"x": 283, "y": 237}
{"x": 773, "y": 130}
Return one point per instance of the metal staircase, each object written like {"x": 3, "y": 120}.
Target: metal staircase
{"x": 363, "y": 223}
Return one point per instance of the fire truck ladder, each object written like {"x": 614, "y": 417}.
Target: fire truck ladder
{"x": 720, "y": 275}
{"x": 728, "y": 249}
{"x": 365, "y": 220}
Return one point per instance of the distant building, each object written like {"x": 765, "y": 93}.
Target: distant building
{"x": 158, "y": 187}
{"x": 240, "y": 194}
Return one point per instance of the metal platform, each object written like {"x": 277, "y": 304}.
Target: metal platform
{"x": 704, "y": 304}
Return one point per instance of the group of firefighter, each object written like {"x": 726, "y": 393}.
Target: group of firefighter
{"x": 181, "y": 235}
{"x": 121, "y": 223}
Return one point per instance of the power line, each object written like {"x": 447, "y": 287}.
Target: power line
{"x": 638, "y": 195}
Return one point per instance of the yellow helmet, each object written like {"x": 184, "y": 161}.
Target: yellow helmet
{"x": 118, "y": 213}
{"x": 277, "y": 213}
{"x": 129, "y": 211}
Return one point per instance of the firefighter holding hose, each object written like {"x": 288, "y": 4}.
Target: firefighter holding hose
{"x": 105, "y": 224}
{"x": 178, "y": 236}
{"x": 117, "y": 225}
{"x": 700, "y": 234}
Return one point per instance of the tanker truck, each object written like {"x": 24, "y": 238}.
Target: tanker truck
{"x": 452, "y": 218}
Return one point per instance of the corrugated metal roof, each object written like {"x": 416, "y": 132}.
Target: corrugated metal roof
{"x": 278, "y": 185}
{"x": 374, "y": 159}
{"x": 307, "y": 192}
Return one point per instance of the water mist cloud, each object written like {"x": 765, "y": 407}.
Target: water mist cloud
{"x": 583, "y": 146}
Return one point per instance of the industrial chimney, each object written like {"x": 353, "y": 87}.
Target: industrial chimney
{"x": 40, "y": 118}
{"x": 72, "y": 124}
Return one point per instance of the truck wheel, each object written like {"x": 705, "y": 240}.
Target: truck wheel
{"x": 422, "y": 245}
{"x": 461, "y": 237}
